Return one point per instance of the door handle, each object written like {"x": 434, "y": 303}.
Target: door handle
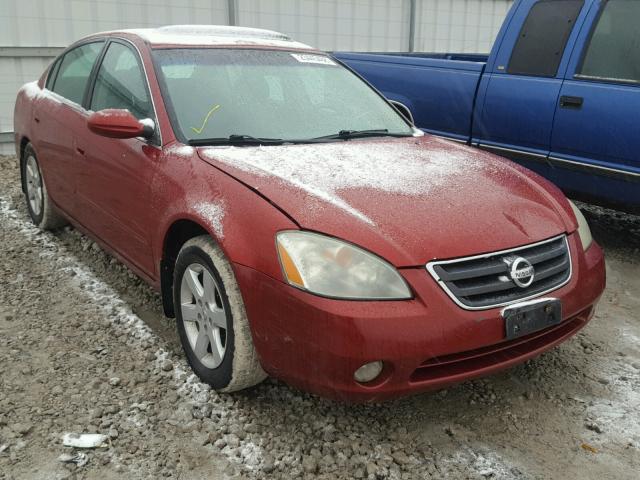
{"x": 80, "y": 151}
{"x": 36, "y": 119}
{"x": 571, "y": 102}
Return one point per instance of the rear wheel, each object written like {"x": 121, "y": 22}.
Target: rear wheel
{"x": 211, "y": 320}
{"x": 39, "y": 205}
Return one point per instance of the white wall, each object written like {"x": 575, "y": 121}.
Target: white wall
{"x": 360, "y": 25}
{"x": 57, "y": 23}
{"x": 462, "y": 26}
{"x": 369, "y": 25}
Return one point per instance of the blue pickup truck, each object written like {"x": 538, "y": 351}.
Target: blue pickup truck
{"x": 559, "y": 93}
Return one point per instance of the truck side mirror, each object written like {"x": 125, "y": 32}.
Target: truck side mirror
{"x": 403, "y": 110}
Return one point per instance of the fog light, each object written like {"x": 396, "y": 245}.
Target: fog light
{"x": 368, "y": 372}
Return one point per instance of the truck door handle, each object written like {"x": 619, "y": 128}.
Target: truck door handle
{"x": 571, "y": 102}
{"x": 80, "y": 151}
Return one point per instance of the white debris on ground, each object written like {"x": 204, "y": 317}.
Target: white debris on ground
{"x": 84, "y": 440}
{"x": 89, "y": 351}
{"x": 79, "y": 459}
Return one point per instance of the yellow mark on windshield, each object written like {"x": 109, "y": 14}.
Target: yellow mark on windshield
{"x": 206, "y": 119}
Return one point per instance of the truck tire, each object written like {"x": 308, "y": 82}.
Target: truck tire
{"x": 41, "y": 210}
{"x": 211, "y": 319}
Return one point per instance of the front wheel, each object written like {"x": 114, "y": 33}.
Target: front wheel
{"x": 211, "y": 319}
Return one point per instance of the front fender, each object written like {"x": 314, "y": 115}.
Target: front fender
{"x": 242, "y": 223}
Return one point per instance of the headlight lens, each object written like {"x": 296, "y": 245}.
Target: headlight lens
{"x": 583, "y": 227}
{"x": 333, "y": 268}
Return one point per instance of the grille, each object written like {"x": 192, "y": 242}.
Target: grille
{"x": 487, "y": 281}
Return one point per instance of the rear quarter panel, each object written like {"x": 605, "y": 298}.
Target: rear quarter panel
{"x": 23, "y": 113}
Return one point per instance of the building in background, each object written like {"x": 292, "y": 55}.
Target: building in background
{"x": 32, "y": 32}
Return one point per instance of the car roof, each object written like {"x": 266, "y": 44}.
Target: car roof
{"x": 212, "y": 35}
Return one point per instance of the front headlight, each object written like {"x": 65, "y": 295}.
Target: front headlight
{"x": 333, "y": 268}
{"x": 583, "y": 227}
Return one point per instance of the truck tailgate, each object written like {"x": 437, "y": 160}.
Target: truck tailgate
{"x": 439, "y": 92}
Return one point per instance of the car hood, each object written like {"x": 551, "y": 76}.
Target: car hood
{"x": 409, "y": 200}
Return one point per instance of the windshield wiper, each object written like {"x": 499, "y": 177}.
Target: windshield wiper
{"x": 235, "y": 140}
{"x": 249, "y": 140}
{"x": 348, "y": 134}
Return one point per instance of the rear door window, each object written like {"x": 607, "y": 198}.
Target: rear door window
{"x": 543, "y": 38}
{"x": 613, "y": 53}
{"x": 74, "y": 71}
{"x": 121, "y": 83}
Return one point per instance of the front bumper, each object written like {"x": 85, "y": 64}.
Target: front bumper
{"x": 426, "y": 343}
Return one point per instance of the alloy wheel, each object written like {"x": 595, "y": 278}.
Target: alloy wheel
{"x": 34, "y": 185}
{"x": 203, "y": 315}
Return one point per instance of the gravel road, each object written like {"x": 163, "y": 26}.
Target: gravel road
{"x": 85, "y": 348}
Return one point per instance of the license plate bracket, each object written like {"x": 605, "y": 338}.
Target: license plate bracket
{"x": 529, "y": 317}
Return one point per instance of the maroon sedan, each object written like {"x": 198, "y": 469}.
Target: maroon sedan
{"x": 294, "y": 221}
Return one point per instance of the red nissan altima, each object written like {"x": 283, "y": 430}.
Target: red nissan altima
{"x": 294, "y": 221}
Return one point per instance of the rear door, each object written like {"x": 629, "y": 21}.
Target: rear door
{"x": 517, "y": 98}
{"x": 116, "y": 174}
{"x": 59, "y": 117}
{"x": 596, "y": 146}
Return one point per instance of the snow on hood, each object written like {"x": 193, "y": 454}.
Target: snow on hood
{"x": 325, "y": 171}
{"x": 421, "y": 196}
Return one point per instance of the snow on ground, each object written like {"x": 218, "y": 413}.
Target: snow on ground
{"x": 124, "y": 320}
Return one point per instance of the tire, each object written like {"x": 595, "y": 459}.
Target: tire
{"x": 41, "y": 210}
{"x": 207, "y": 298}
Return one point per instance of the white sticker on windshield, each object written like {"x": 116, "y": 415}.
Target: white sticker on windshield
{"x": 308, "y": 58}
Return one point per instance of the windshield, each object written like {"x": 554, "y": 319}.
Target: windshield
{"x": 220, "y": 93}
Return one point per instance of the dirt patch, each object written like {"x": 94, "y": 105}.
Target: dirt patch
{"x": 85, "y": 348}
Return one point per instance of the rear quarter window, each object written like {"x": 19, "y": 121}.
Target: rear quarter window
{"x": 543, "y": 38}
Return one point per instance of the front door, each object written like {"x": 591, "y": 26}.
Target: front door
{"x": 596, "y": 146}
{"x": 115, "y": 183}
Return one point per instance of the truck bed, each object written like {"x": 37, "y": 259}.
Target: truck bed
{"x": 559, "y": 93}
{"x": 462, "y": 57}
{"x": 439, "y": 88}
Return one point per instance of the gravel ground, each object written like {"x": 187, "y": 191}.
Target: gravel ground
{"x": 85, "y": 348}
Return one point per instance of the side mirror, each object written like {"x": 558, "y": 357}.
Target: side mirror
{"x": 114, "y": 123}
{"x": 403, "y": 110}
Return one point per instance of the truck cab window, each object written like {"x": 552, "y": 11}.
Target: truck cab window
{"x": 543, "y": 38}
{"x": 613, "y": 54}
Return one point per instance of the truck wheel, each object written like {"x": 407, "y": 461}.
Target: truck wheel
{"x": 39, "y": 205}
{"x": 211, "y": 319}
